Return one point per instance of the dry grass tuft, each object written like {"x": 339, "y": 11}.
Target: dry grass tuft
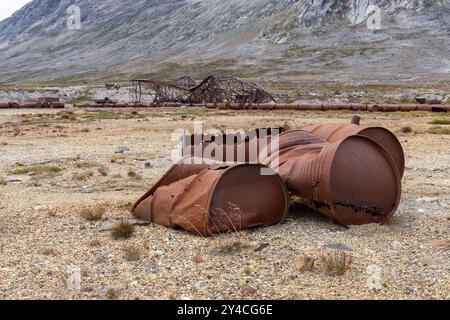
{"x": 37, "y": 170}
{"x": 444, "y": 122}
{"x": 112, "y": 294}
{"x": 123, "y": 230}
{"x": 337, "y": 262}
{"x": 93, "y": 213}
{"x": 134, "y": 175}
{"x": 229, "y": 246}
{"x": 82, "y": 176}
{"x": 439, "y": 130}
{"x": 131, "y": 253}
{"x": 104, "y": 171}
{"x": 407, "y": 130}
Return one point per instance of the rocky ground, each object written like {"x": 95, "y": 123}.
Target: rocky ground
{"x": 56, "y": 164}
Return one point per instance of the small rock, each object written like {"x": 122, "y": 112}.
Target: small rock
{"x": 108, "y": 225}
{"x": 156, "y": 253}
{"x": 94, "y": 243}
{"x": 338, "y": 246}
{"x": 197, "y": 258}
{"x": 262, "y": 246}
{"x": 304, "y": 263}
{"x": 138, "y": 222}
{"x": 436, "y": 264}
{"x": 397, "y": 246}
{"x": 440, "y": 244}
{"x": 421, "y": 211}
{"x": 148, "y": 165}
{"x": 427, "y": 199}
{"x": 122, "y": 150}
{"x": 248, "y": 291}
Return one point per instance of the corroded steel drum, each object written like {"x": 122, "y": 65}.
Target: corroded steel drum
{"x": 384, "y": 137}
{"x": 353, "y": 181}
{"x": 236, "y": 147}
{"x": 4, "y": 105}
{"x": 217, "y": 199}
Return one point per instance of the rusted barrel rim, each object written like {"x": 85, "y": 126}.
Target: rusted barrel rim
{"x": 163, "y": 180}
{"x": 401, "y": 153}
{"x": 261, "y": 166}
{"x": 388, "y": 158}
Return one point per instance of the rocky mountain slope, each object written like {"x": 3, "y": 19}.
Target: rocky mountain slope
{"x": 310, "y": 40}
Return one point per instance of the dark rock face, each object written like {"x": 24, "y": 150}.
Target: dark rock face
{"x": 320, "y": 39}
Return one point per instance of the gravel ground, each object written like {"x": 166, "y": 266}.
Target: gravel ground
{"x": 54, "y": 164}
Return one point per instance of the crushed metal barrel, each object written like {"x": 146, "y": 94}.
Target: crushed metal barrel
{"x": 384, "y": 137}
{"x": 352, "y": 181}
{"x": 215, "y": 199}
{"x": 347, "y": 172}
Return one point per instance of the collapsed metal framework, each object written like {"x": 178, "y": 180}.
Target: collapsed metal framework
{"x": 211, "y": 90}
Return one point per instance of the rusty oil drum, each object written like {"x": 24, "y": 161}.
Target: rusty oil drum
{"x": 218, "y": 199}
{"x": 384, "y": 137}
{"x": 352, "y": 181}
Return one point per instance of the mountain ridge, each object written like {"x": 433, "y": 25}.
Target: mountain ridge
{"x": 316, "y": 40}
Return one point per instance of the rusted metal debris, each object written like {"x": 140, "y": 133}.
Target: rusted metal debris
{"x": 331, "y": 107}
{"x": 237, "y": 147}
{"x": 272, "y": 106}
{"x": 352, "y": 181}
{"x": 349, "y": 173}
{"x": 40, "y": 104}
{"x": 211, "y": 90}
{"x": 215, "y": 199}
{"x": 385, "y": 138}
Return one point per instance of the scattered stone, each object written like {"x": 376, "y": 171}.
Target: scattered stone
{"x": 122, "y": 150}
{"x": 262, "y": 246}
{"x": 148, "y": 165}
{"x": 248, "y": 291}
{"x": 338, "y": 246}
{"x": 436, "y": 264}
{"x": 139, "y": 223}
{"x": 304, "y": 263}
{"x": 427, "y": 199}
{"x": 197, "y": 258}
{"x": 397, "y": 246}
{"x": 156, "y": 253}
{"x": 108, "y": 225}
{"x": 440, "y": 244}
{"x": 94, "y": 243}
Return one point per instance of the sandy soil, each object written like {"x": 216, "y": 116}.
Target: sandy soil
{"x": 42, "y": 233}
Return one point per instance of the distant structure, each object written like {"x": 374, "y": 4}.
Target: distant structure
{"x": 186, "y": 90}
